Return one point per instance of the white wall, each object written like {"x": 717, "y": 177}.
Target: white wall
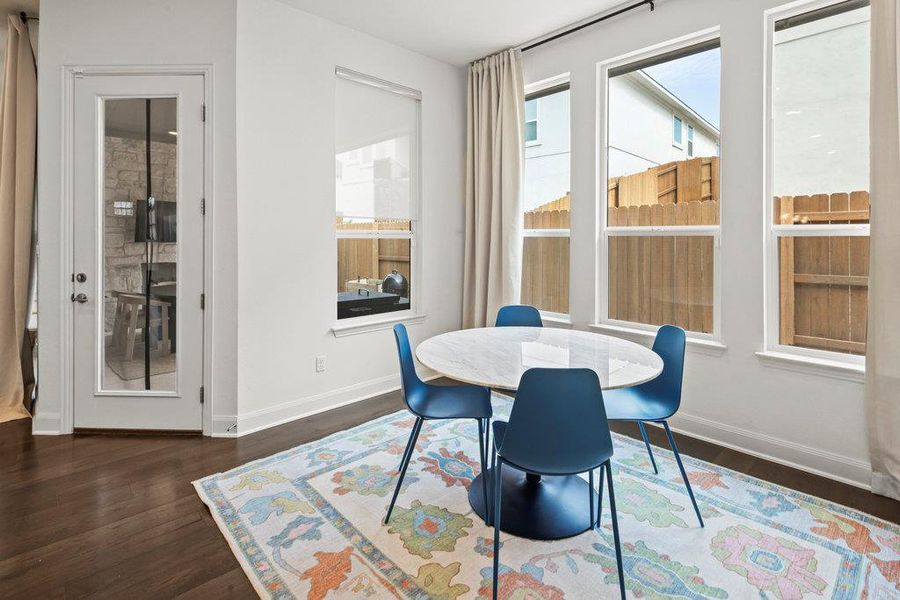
{"x": 732, "y": 396}
{"x": 287, "y": 251}
{"x": 134, "y": 32}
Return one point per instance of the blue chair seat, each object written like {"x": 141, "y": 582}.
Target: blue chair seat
{"x": 453, "y": 402}
{"x": 632, "y": 404}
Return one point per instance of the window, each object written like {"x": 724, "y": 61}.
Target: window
{"x": 690, "y": 148}
{"x": 818, "y": 242}
{"x": 677, "y": 132}
{"x": 545, "y": 258}
{"x": 661, "y": 232}
{"x": 376, "y": 195}
{"x": 531, "y": 121}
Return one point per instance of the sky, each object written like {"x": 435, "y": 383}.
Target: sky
{"x": 694, "y": 80}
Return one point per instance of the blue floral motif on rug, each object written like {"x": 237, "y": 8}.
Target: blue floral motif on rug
{"x": 307, "y": 523}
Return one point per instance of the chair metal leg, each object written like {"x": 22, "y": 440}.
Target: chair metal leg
{"x": 591, "y": 496}
{"x": 600, "y": 494}
{"x": 615, "y": 524}
{"x": 404, "y": 463}
{"x": 497, "y": 479}
{"x": 482, "y": 447}
{"x": 647, "y": 443}
{"x": 687, "y": 482}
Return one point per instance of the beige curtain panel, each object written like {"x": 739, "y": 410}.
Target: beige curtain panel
{"x": 18, "y": 132}
{"x": 494, "y": 159}
{"x": 883, "y": 345}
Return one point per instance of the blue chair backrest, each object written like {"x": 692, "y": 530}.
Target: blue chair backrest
{"x": 558, "y": 423}
{"x": 518, "y": 315}
{"x": 413, "y": 388}
{"x": 666, "y": 388}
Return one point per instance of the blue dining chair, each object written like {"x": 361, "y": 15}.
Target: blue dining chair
{"x": 432, "y": 402}
{"x": 565, "y": 408}
{"x": 518, "y": 315}
{"x": 658, "y": 399}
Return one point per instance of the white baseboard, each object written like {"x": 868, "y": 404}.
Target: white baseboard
{"x": 224, "y": 426}
{"x": 286, "y": 412}
{"x": 805, "y": 458}
{"x": 44, "y": 423}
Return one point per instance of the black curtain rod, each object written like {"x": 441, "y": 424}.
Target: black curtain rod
{"x": 616, "y": 13}
{"x": 25, "y": 18}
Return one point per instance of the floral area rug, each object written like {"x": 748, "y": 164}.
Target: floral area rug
{"x": 307, "y": 523}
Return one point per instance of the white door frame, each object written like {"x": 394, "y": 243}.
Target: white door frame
{"x": 67, "y": 229}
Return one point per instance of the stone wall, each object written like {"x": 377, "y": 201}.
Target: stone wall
{"x": 125, "y": 183}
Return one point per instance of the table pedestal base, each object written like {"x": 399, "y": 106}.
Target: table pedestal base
{"x": 538, "y": 508}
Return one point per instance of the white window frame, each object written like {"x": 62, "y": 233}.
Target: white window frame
{"x": 536, "y": 120}
{"x": 774, "y": 349}
{"x": 415, "y": 313}
{"x": 712, "y": 340}
{"x": 675, "y": 142}
{"x": 533, "y": 88}
{"x": 690, "y": 141}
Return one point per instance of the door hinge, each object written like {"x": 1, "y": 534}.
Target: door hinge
{"x": 202, "y": 393}
{"x": 202, "y": 206}
{"x": 202, "y": 301}
{"x": 203, "y": 112}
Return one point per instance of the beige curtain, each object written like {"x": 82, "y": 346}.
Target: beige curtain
{"x": 883, "y": 343}
{"x": 18, "y": 133}
{"x": 494, "y": 159}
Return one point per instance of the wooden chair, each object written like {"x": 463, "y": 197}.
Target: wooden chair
{"x": 130, "y": 319}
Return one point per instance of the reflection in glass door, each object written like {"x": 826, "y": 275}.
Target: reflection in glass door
{"x": 139, "y": 244}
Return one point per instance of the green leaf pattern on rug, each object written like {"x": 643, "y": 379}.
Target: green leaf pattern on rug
{"x": 425, "y": 528}
{"x": 645, "y": 504}
{"x": 435, "y": 581}
{"x": 255, "y": 480}
{"x": 369, "y": 480}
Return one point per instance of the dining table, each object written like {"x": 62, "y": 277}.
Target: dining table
{"x": 534, "y": 506}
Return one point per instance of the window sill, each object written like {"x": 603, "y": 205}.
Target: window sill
{"x": 556, "y": 319}
{"x": 837, "y": 369}
{"x": 343, "y": 330}
{"x": 698, "y": 344}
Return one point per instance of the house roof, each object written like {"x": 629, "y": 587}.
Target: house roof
{"x": 666, "y": 96}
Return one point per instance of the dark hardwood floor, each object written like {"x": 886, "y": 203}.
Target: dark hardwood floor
{"x": 107, "y": 516}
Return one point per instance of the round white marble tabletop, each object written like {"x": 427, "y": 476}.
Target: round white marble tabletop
{"x": 496, "y": 357}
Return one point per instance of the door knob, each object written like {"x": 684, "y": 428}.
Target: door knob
{"x": 81, "y": 298}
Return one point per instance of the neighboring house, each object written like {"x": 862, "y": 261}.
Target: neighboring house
{"x": 648, "y": 126}
{"x": 821, "y": 114}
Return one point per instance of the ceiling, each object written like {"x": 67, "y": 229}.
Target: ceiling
{"x": 455, "y": 31}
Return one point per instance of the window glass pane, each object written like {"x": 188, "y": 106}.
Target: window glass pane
{"x": 660, "y": 280}
{"x": 531, "y": 110}
{"x": 645, "y": 169}
{"x": 373, "y": 276}
{"x": 531, "y": 131}
{"x": 376, "y": 132}
{"x": 820, "y": 129}
{"x": 376, "y": 174}
{"x": 823, "y": 284}
{"x": 545, "y": 260}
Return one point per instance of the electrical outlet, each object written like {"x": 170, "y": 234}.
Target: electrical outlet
{"x": 320, "y": 363}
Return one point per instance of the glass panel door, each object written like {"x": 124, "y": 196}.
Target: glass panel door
{"x": 139, "y": 244}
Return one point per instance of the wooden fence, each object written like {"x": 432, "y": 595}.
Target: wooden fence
{"x": 824, "y": 281}
{"x": 370, "y": 257}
